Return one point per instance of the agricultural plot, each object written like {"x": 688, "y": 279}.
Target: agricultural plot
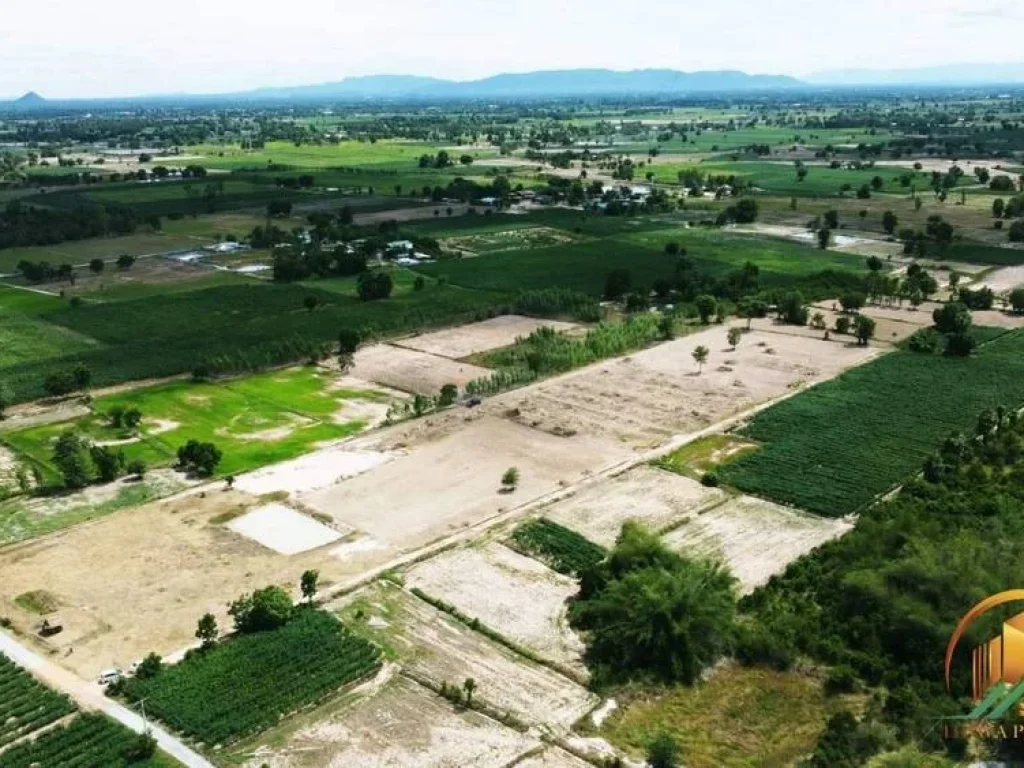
{"x": 283, "y": 529}
{"x": 440, "y": 484}
{"x": 466, "y": 340}
{"x": 439, "y": 649}
{"x": 403, "y": 725}
{"x": 558, "y": 547}
{"x": 507, "y": 240}
{"x": 836, "y": 447}
{"x": 25, "y": 704}
{"x": 255, "y": 420}
{"x": 78, "y": 253}
{"x": 310, "y": 657}
{"x": 26, "y": 302}
{"x": 1003, "y": 280}
{"x": 653, "y": 497}
{"x": 754, "y": 538}
{"x": 24, "y": 338}
{"x": 654, "y": 394}
{"x": 514, "y": 595}
{"x": 412, "y": 371}
{"x": 704, "y": 454}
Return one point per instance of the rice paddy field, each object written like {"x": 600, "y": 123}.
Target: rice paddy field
{"x": 837, "y": 446}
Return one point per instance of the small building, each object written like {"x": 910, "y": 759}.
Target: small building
{"x": 399, "y": 246}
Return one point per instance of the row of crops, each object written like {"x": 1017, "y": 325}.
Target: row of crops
{"x": 248, "y": 683}
{"x": 88, "y": 741}
{"x": 564, "y": 550}
{"x": 25, "y": 704}
{"x": 837, "y": 446}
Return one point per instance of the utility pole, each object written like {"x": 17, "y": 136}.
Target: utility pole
{"x": 145, "y": 723}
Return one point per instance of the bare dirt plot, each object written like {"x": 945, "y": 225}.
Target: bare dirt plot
{"x": 439, "y": 487}
{"x": 1003, "y": 280}
{"x": 436, "y": 647}
{"x": 508, "y": 240}
{"x": 490, "y": 334}
{"x": 148, "y": 271}
{"x": 651, "y": 496}
{"x": 8, "y": 469}
{"x": 891, "y": 326}
{"x": 861, "y": 244}
{"x": 517, "y": 596}
{"x": 412, "y": 371}
{"x": 552, "y": 757}
{"x": 755, "y": 538}
{"x": 997, "y": 319}
{"x": 645, "y": 398}
{"x": 283, "y": 529}
{"x": 401, "y": 726}
{"x": 138, "y": 580}
{"x": 312, "y": 472}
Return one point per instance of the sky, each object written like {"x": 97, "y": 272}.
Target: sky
{"x": 70, "y": 48}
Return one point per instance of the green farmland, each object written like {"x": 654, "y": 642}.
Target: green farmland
{"x": 837, "y": 446}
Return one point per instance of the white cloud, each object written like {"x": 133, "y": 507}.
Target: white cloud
{"x": 109, "y": 47}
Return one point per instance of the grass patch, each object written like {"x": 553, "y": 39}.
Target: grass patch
{"x": 562, "y": 549}
{"x": 838, "y": 445}
{"x": 697, "y": 457}
{"x": 37, "y": 601}
{"x": 24, "y": 338}
{"x": 247, "y": 683}
{"x": 742, "y": 717}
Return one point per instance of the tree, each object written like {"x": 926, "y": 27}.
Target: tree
{"x": 843, "y": 324}
{"x": 109, "y": 462}
{"x": 745, "y": 211}
{"x": 72, "y": 458}
{"x": 374, "y": 285}
{"x": 6, "y": 399}
{"x": 1016, "y": 302}
{"x": 832, "y": 219}
{"x": 663, "y": 752}
{"x": 142, "y": 747}
{"x": 201, "y": 458}
{"x": 706, "y": 307}
{"x": 97, "y": 265}
{"x": 953, "y": 317}
{"x": 617, "y": 284}
{"x": 469, "y": 685}
{"x": 752, "y": 308}
{"x": 998, "y": 206}
{"x": 791, "y": 309}
{"x": 852, "y": 302}
{"x": 81, "y": 376}
{"x": 889, "y": 222}
{"x": 864, "y": 328}
{"x": 207, "y": 630}
{"x": 700, "y": 356}
{"x": 149, "y": 667}
{"x": 264, "y": 609}
{"x": 449, "y": 394}
{"x": 466, "y": 159}
{"x": 1016, "y": 232}
{"x": 136, "y": 468}
{"x": 311, "y": 302}
{"x": 667, "y": 327}
{"x": 734, "y": 336}
{"x": 125, "y": 261}
{"x": 131, "y": 418}
{"x": 650, "y": 611}
{"x": 510, "y": 480}
{"x": 279, "y": 209}
{"x": 874, "y": 264}
{"x": 824, "y": 237}
{"x": 308, "y": 583}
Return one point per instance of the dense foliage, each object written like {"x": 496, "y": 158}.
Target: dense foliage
{"x": 840, "y": 444}
{"x": 563, "y": 549}
{"x": 22, "y": 224}
{"x": 247, "y": 683}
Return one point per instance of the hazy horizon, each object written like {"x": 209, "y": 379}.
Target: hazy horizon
{"x": 103, "y": 50}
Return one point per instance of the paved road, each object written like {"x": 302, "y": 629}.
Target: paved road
{"x": 89, "y": 695}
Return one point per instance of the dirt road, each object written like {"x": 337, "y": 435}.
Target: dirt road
{"x": 89, "y": 695}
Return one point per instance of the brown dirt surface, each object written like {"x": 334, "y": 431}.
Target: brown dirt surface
{"x": 412, "y": 371}
{"x": 654, "y": 497}
{"x": 755, "y": 538}
{"x": 440, "y": 649}
{"x": 441, "y": 486}
{"x": 1002, "y": 280}
{"x": 645, "y": 398}
{"x": 517, "y": 596}
{"x": 401, "y": 726}
{"x": 467, "y": 340}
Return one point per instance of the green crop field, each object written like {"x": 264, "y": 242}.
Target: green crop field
{"x": 171, "y": 333}
{"x": 563, "y": 549}
{"x": 976, "y": 253}
{"x": 247, "y": 683}
{"x": 24, "y": 338}
{"x": 837, "y": 446}
{"x": 80, "y": 252}
{"x": 25, "y": 704}
{"x": 256, "y": 420}
{"x": 25, "y": 302}
{"x": 345, "y": 153}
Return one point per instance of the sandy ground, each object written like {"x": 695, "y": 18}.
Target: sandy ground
{"x": 645, "y": 398}
{"x": 892, "y": 325}
{"x": 755, "y": 538}
{"x": 654, "y": 497}
{"x": 436, "y": 647}
{"x": 553, "y": 757}
{"x": 868, "y": 246}
{"x": 1003, "y": 280}
{"x": 312, "y": 472}
{"x": 402, "y": 726}
{"x": 283, "y": 529}
{"x": 441, "y": 486}
{"x": 8, "y": 469}
{"x": 480, "y": 337}
{"x": 997, "y": 319}
{"x": 929, "y": 164}
{"x": 137, "y": 581}
{"x": 412, "y": 371}
{"x": 515, "y": 595}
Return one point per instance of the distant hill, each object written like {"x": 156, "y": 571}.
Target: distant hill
{"x": 30, "y": 100}
{"x": 554, "y": 83}
{"x": 946, "y": 74}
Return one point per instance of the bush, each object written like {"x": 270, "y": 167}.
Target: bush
{"x": 265, "y": 609}
{"x": 925, "y": 341}
{"x": 841, "y": 679}
{"x": 709, "y": 479}
{"x": 757, "y": 645}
